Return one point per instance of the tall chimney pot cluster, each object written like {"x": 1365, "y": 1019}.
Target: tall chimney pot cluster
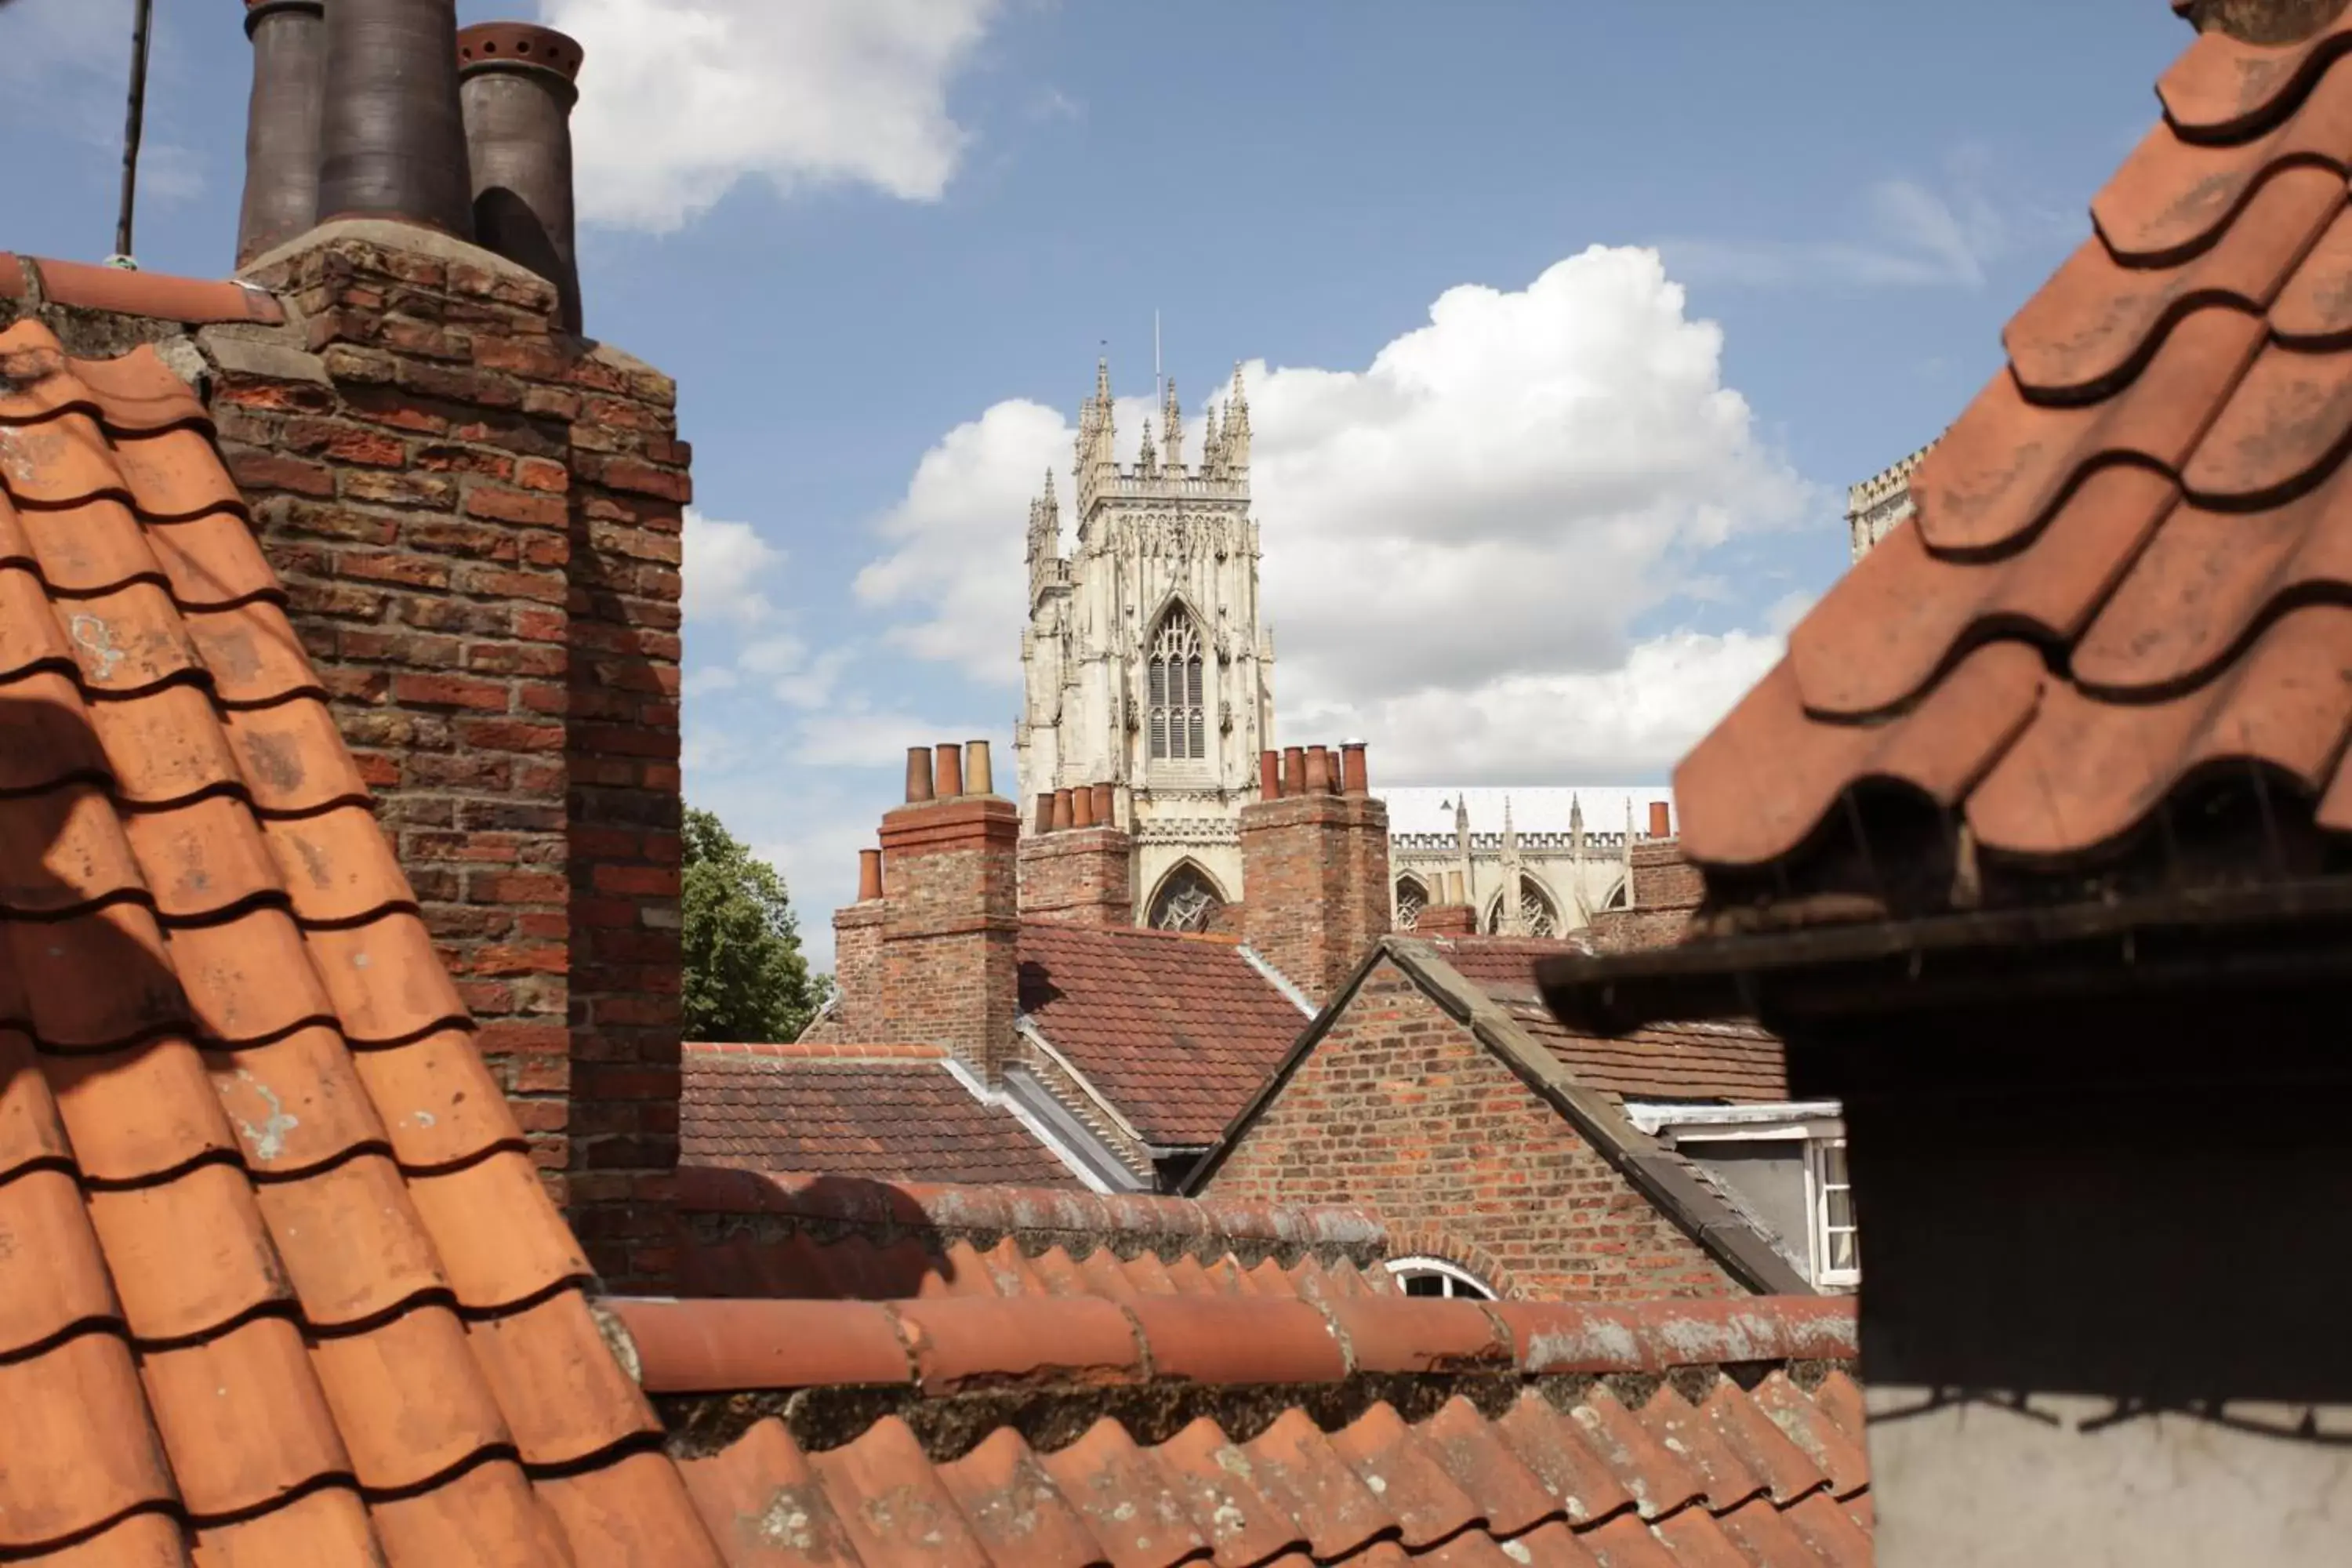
{"x": 1089, "y": 805}
{"x": 1313, "y": 769}
{"x": 948, "y": 770}
{"x": 383, "y": 109}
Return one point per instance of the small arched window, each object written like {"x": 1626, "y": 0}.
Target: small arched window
{"x": 1186, "y": 901}
{"x": 1178, "y": 724}
{"x": 1436, "y": 1276}
{"x": 1537, "y": 916}
{"x": 1411, "y": 897}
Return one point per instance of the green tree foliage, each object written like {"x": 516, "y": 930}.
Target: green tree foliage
{"x": 745, "y": 977}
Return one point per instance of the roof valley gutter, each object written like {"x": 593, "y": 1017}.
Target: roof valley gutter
{"x": 1071, "y": 1158}
{"x": 1279, "y": 981}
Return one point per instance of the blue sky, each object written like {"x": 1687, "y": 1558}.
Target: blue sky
{"x": 1546, "y": 539}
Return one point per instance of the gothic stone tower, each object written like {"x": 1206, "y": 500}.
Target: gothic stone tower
{"x": 1144, "y": 665}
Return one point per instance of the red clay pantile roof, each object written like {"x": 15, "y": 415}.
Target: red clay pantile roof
{"x": 1142, "y": 1439}
{"x": 2122, "y": 584}
{"x": 283, "y": 1286}
{"x": 832, "y": 1236}
{"x": 1177, "y": 1031}
{"x": 1727, "y": 1059}
{"x": 894, "y": 1112}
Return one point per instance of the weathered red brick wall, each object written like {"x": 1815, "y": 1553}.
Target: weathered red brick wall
{"x": 950, "y": 929}
{"x": 1315, "y": 871}
{"x": 1400, "y": 1110}
{"x": 1663, "y": 879}
{"x": 857, "y": 971}
{"x": 1666, "y": 889}
{"x": 1080, "y": 876}
{"x": 477, "y": 521}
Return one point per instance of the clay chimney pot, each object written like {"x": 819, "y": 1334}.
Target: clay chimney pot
{"x": 1269, "y": 775}
{"x": 1065, "y": 813}
{"x": 919, "y": 774}
{"x": 1661, "y": 820}
{"x": 978, "y": 775}
{"x": 869, "y": 875}
{"x": 949, "y": 777}
{"x": 1105, "y": 805}
{"x": 1082, "y": 807}
{"x": 1293, "y": 771}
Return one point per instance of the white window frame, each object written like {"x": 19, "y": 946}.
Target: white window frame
{"x": 1819, "y": 1124}
{"x": 1461, "y": 1284}
{"x": 1818, "y": 1188}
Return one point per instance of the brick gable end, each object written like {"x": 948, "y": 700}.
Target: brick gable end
{"x": 1400, "y": 1111}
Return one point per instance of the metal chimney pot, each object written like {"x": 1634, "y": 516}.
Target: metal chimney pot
{"x": 515, "y": 86}
{"x": 282, "y": 122}
{"x": 392, "y": 140}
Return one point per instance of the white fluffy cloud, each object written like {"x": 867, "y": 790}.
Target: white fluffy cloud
{"x": 1458, "y": 538}
{"x": 682, "y": 98}
{"x": 724, "y": 564}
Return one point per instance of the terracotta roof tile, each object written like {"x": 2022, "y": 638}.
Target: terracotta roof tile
{"x": 1729, "y": 1060}
{"x": 1618, "y": 1468}
{"x": 121, "y": 292}
{"x": 777, "y": 1233}
{"x": 893, "y": 1113}
{"x": 2118, "y": 587}
{"x": 286, "y": 1286}
{"x": 1176, "y": 1031}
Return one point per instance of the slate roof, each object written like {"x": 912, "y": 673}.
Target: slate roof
{"x": 1140, "y": 1435}
{"x": 1730, "y": 1060}
{"x": 2116, "y": 625}
{"x": 282, "y": 1284}
{"x": 891, "y": 1112}
{"x": 1177, "y": 1031}
{"x": 839, "y": 1237}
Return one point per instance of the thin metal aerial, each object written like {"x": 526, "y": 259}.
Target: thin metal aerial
{"x": 141, "y": 26}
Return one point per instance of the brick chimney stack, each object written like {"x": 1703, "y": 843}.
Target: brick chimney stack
{"x": 857, "y": 955}
{"x": 477, "y": 517}
{"x": 1447, "y": 920}
{"x": 1083, "y": 873}
{"x": 1315, "y": 866}
{"x": 950, "y": 921}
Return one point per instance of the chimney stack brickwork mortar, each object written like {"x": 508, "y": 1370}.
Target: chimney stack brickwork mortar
{"x": 478, "y": 522}
{"x": 950, "y": 927}
{"x": 1079, "y": 875}
{"x": 1315, "y": 869}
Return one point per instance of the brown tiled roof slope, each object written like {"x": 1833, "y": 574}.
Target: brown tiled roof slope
{"x": 890, "y": 1111}
{"x": 1070, "y": 1434}
{"x": 834, "y": 1237}
{"x": 2121, "y": 620}
{"x": 1178, "y": 1031}
{"x": 1726, "y": 1060}
{"x": 280, "y": 1283}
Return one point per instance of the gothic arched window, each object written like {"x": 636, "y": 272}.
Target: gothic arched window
{"x": 1537, "y": 916}
{"x": 1180, "y": 729}
{"x": 1187, "y": 900}
{"x": 1411, "y": 897}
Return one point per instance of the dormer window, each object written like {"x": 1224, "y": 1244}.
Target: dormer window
{"x": 1178, "y": 724}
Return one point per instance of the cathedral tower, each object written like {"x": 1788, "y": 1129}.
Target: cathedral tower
{"x": 1144, "y": 664}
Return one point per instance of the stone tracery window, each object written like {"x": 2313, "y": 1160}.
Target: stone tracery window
{"x": 1180, "y": 730}
{"x": 1537, "y": 917}
{"x": 1411, "y": 897}
{"x": 1186, "y": 901}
